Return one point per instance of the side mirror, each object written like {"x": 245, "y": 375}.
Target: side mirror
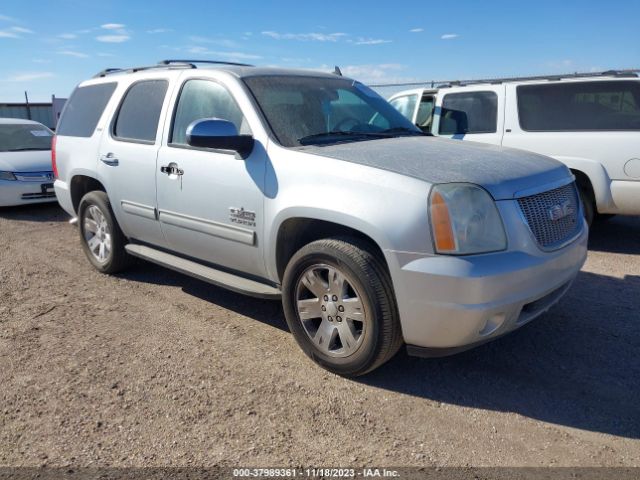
{"x": 220, "y": 134}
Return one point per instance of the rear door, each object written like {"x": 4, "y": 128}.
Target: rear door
{"x": 127, "y": 158}
{"x": 474, "y": 113}
{"x": 595, "y": 121}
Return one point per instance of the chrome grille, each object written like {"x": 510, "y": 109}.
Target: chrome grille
{"x": 33, "y": 196}
{"x": 553, "y": 216}
{"x": 34, "y": 176}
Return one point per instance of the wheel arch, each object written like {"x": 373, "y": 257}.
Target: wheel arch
{"x": 591, "y": 174}
{"x": 583, "y": 181}
{"x": 82, "y": 184}
{"x": 296, "y": 231}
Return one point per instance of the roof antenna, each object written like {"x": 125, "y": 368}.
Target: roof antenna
{"x": 337, "y": 71}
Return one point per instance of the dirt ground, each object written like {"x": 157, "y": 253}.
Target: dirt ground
{"x": 153, "y": 368}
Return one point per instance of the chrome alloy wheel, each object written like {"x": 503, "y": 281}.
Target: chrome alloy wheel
{"x": 330, "y": 310}
{"x": 97, "y": 234}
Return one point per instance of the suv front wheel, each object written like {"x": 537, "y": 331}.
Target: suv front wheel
{"x": 588, "y": 205}
{"x": 102, "y": 240}
{"x": 339, "y": 305}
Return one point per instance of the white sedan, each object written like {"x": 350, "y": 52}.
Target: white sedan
{"x": 26, "y": 174}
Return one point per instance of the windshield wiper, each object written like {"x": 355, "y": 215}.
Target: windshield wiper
{"x": 388, "y": 133}
{"x": 339, "y": 133}
{"x": 393, "y": 130}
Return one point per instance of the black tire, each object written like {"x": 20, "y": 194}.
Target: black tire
{"x": 117, "y": 259}
{"x": 588, "y": 205}
{"x": 382, "y": 337}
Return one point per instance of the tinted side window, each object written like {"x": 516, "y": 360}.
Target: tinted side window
{"x": 424, "y": 116}
{"x": 405, "y": 105}
{"x": 205, "y": 99}
{"x": 469, "y": 112}
{"x": 575, "y": 106}
{"x": 84, "y": 109}
{"x": 139, "y": 113}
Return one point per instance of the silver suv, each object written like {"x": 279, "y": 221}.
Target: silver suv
{"x": 311, "y": 188}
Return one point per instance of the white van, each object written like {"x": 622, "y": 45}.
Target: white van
{"x": 589, "y": 122}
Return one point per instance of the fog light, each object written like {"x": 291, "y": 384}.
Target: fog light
{"x": 492, "y": 324}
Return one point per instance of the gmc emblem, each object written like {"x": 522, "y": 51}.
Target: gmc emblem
{"x": 561, "y": 210}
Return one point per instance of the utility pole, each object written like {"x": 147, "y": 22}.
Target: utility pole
{"x": 26, "y": 97}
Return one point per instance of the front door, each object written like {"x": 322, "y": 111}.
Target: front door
{"x": 210, "y": 202}
{"x": 475, "y": 113}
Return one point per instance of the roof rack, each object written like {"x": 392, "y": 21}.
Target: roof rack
{"x": 632, "y": 73}
{"x": 627, "y": 73}
{"x": 212, "y": 62}
{"x": 167, "y": 64}
{"x": 111, "y": 71}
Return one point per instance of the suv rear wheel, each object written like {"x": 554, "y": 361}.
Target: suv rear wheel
{"x": 102, "y": 240}
{"x": 340, "y": 307}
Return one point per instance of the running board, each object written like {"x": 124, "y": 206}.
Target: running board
{"x": 202, "y": 272}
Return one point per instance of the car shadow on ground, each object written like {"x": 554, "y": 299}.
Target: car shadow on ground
{"x": 616, "y": 235}
{"x": 268, "y": 312}
{"x": 577, "y": 366}
{"x": 37, "y": 212}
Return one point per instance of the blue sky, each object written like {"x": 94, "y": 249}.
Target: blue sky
{"x": 48, "y": 47}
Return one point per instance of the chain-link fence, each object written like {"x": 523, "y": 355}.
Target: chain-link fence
{"x": 388, "y": 89}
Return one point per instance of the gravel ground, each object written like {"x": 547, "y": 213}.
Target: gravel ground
{"x": 153, "y": 368}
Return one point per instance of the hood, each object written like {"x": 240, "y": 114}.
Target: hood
{"x": 501, "y": 171}
{"x": 30, "y": 161}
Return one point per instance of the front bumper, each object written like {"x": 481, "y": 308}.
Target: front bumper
{"x": 16, "y": 192}
{"x": 448, "y": 304}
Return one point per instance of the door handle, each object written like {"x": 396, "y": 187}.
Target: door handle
{"x": 109, "y": 159}
{"x": 171, "y": 170}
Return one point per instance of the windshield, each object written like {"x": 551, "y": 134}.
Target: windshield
{"x": 22, "y": 137}
{"x": 315, "y": 110}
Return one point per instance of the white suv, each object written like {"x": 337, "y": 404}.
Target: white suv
{"x": 589, "y": 122}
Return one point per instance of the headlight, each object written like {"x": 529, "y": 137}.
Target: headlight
{"x": 465, "y": 220}
{"x": 7, "y": 176}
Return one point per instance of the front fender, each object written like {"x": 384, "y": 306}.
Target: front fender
{"x": 376, "y": 234}
{"x": 389, "y": 208}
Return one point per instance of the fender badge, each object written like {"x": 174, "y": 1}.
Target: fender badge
{"x": 241, "y": 216}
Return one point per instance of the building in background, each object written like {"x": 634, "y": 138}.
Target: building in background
{"x": 45, "y": 113}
